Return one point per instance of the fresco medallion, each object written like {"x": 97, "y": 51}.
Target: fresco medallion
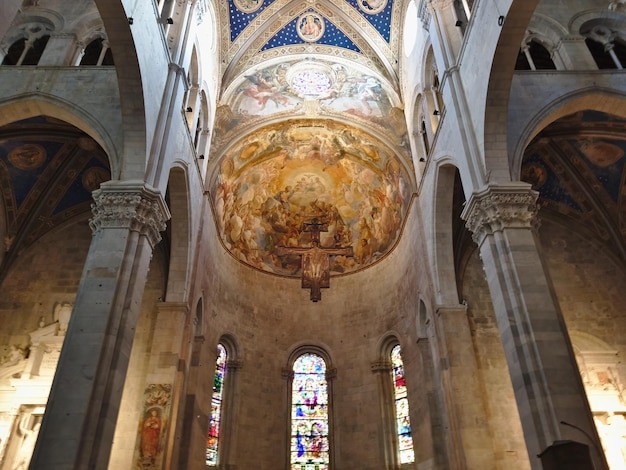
{"x": 248, "y": 6}
{"x": 27, "y": 157}
{"x": 310, "y": 26}
{"x": 372, "y": 7}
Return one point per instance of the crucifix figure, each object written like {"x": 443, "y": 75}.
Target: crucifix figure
{"x": 315, "y": 260}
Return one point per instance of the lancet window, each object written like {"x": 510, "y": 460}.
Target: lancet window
{"x": 401, "y": 405}
{"x": 310, "y": 447}
{"x": 213, "y": 439}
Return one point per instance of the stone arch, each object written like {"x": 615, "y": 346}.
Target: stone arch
{"x": 500, "y": 77}
{"x": 433, "y": 107}
{"x": 180, "y": 236}
{"x": 443, "y": 236}
{"x": 386, "y": 342}
{"x": 121, "y": 41}
{"x": 31, "y": 105}
{"x": 596, "y": 99}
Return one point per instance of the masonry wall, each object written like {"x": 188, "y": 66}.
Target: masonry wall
{"x": 46, "y": 273}
{"x": 270, "y": 316}
{"x": 589, "y": 282}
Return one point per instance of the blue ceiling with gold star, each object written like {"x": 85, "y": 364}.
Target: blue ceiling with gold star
{"x": 361, "y": 31}
{"x": 578, "y": 165}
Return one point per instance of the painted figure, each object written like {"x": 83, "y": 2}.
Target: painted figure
{"x": 150, "y": 434}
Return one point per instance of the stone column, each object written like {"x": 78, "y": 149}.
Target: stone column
{"x": 77, "y": 429}
{"x": 547, "y": 385}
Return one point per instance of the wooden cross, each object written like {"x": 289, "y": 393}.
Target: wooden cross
{"x": 315, "y": 260}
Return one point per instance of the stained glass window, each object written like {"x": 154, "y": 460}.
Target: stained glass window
{"x": 403, "y": 422}
{"x": 216, "y": 408}
{"x": 309, "y": 414}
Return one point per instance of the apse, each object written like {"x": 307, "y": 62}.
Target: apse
{"x": 276, "y": 180}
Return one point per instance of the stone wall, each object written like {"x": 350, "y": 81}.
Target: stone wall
{"x": 258, "y": 310}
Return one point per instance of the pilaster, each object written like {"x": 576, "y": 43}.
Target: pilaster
{"x": 168, "y": 366}
{"x": 383, "y": 369}
{"x": 77, "y": 429}
{"x": 468, "y": 441}
{"x": 547, "y": 386}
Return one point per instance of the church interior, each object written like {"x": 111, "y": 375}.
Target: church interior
{"x": 312, "y": 235}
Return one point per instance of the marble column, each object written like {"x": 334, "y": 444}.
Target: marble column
{"x": 545, "y": 378}
{"x": 77, "y": 429}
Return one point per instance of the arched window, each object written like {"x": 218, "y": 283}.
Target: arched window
{"x": 401, "y": 405}
{"x": 396, "y": 422}
{"x": 97, "y": 52}
{"x": 534, "y": 56}
{"x": 310, "y": 447}
{"x": 213, "y": 439}
{"x": 26, "y": 51}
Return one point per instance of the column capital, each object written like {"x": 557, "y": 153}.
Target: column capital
{"x": 132, "y": 205}
{"x": 173, "y": 307}
{"x": 233, "y": 365}
{"x": 497, "y": 207}
{"x": 439, "y": 4}
{"x": 381, "y": 366}
{"x": 450, "y": 309}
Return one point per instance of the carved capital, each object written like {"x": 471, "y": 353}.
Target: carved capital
{"x": 439, "y": 4}
{"x": 498, "y": 207}
{"x": 131, "y": 205}
{"x": 233, "y": 365}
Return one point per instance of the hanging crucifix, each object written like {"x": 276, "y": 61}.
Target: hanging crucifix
{"x": 315, "y": 260}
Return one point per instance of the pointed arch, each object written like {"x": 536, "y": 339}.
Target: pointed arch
{"x": 132, "y": 105}
{"x": 516, "y": 19}
{"x": 179, "y": 232}
{"x": 443, "y": 236}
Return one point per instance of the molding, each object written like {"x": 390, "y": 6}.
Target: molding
{"x": 381, "y": 366}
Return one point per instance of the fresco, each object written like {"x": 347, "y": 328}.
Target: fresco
{"x": 280, "y": 178}
{"x": 286, "y": 86}
{"x": 152, "y": 427}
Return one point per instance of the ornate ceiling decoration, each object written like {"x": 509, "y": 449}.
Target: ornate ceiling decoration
{"x": 365, "y": 32}
{"x": 310, "y": 132}
{"x": 578, "y": 165}
{"x": 48, "y": 170}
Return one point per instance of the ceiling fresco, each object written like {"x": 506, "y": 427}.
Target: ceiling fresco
{"x": 578, "y": 166}
{"x": 333, "y": 87}
{"x": 276, "y": 180}
{"x": 48, "y": 170}
{"x": 363, "y": 31}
